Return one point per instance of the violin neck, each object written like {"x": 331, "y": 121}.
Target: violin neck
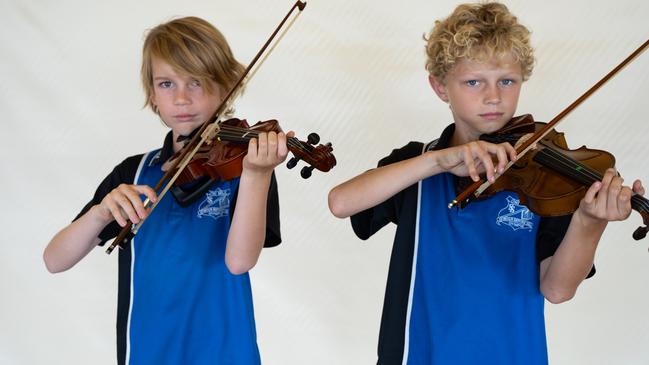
{"x": 244, "y": 135}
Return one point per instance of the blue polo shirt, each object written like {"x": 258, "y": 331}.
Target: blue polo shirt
{"x": 177, "y": 301}
{"x": 462, "y": 285}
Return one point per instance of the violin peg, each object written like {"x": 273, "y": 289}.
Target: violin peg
{"x": 292, "y": 162}
{"x": 306, "y": 171}
{"x": 640, "y": 233}
{"x": 313, "y": 138}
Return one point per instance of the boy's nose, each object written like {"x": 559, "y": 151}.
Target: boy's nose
{"x": 180, "y": 97}
{"x": 492, "y": 95}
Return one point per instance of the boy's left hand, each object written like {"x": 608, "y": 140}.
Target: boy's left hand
{"x": 266, "y": 151}
{"x": 609, "y": 200}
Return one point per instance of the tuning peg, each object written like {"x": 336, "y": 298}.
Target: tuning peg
{"x": 313, "y": 138}
{"x": 292, "y": 162}
{"x": 640, "y": 233}
{"x": 306, "y": 171}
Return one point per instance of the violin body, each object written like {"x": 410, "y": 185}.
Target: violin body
{"x": 222, "y": 158}
{"x": 551, "y": 179}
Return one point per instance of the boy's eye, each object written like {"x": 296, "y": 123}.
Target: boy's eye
{"x": 507, "y": 82}
{"x": 195, "y": 83}
{"x": 165, "y": 84}
{"x": 472, "y": 82}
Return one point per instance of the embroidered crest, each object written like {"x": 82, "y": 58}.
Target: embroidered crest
{"x": 515, "y": 215}
{"x": 216, "y": 204}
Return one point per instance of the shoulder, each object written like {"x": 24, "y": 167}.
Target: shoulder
{"x": 126, "y": 170}
{"x": 410, "y": 150}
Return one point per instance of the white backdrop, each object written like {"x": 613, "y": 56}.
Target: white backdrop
{"x": 350, "y": 70}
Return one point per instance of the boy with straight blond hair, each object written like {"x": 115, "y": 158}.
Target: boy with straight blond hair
{"x": 184, "y": 291}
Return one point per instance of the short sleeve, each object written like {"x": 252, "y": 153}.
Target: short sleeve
{"x": 549, "y": 236}
{"x": 371, "y": 220}
{"x": 121, "y": 174}
{"x": 273, "y": 232}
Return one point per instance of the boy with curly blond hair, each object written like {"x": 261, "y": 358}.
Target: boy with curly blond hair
{"x": 468, "y": 286}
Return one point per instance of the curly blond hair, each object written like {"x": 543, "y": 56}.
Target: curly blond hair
{"x": 191, "y": 46}
{"x": 477, "y": 32}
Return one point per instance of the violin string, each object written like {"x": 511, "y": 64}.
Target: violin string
{"x": 243, "y": 133}
{"x": 638, "y": 202}
{"x": 238, "y": 137}
{"x": 573, "y": 167}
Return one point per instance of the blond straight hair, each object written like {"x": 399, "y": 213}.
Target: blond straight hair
{"x": 191, "y": 46}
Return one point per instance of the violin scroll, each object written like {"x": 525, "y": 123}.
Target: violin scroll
{"x": 318, "y": 157}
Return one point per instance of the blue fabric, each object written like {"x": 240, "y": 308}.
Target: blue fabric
{"x": 187, "y": 308}
{"x": 476, "y": 294}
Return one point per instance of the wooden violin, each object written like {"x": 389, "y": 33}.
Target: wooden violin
{"x": 551, "y": 179}
{"x": 222, "y": 158}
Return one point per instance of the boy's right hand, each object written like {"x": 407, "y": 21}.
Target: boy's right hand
{"x": 476, "y": 157}
{"x": 124, "y": 203}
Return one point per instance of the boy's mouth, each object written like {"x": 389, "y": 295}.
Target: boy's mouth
{"x": 491, "y": 116}
{"x": 185, "y": 117}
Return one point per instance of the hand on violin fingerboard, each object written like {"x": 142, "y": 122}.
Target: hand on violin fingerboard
{"x": 609, "y": 200}
{"x": 266, "y": 152}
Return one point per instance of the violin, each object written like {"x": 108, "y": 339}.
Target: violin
{"x": 222, "y": 158}
{"x": 549, "y": 178}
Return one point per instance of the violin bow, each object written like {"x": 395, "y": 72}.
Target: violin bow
{"x": 478, "y": 187}
{"x": 209, "y": 129}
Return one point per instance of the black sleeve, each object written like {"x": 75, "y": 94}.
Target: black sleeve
{"x": 371, "y": 220}
{"x": 124, "y": 173}
{"x": 549, "y": 236}
{"x": 273, "y": 232}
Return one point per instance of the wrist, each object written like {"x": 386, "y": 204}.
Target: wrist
{"x": 588, "y": 221}
{"x": 100, "y": 215}
{"x": 433, "y": 163}
{"x": 256, "y": 174}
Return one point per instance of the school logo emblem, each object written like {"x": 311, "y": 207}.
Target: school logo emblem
{"x": 515, "y": 215}
{"x": 215, "y": 205}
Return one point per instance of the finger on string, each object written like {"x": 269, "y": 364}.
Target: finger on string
{"x": 272, "y": 144}
{"x": 591, "y": 193}
{"x": 638, "y": 188}
{"x": 282, "y": 148}
{"x": 263, "y": 145}
{"x": 615, "y": 199}
{"x": 252, "y": 148}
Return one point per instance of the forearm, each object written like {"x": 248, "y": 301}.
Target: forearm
{"x": 74, "y": 242}
{"x": 562, "y": 274}
{"x": 248, "y": 228}
{"x": 375, "y": 186}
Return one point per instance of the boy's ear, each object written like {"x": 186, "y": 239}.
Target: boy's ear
{"x": 438, "y": 87}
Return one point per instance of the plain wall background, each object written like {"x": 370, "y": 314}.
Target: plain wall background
{"x": 352, "y": 71}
